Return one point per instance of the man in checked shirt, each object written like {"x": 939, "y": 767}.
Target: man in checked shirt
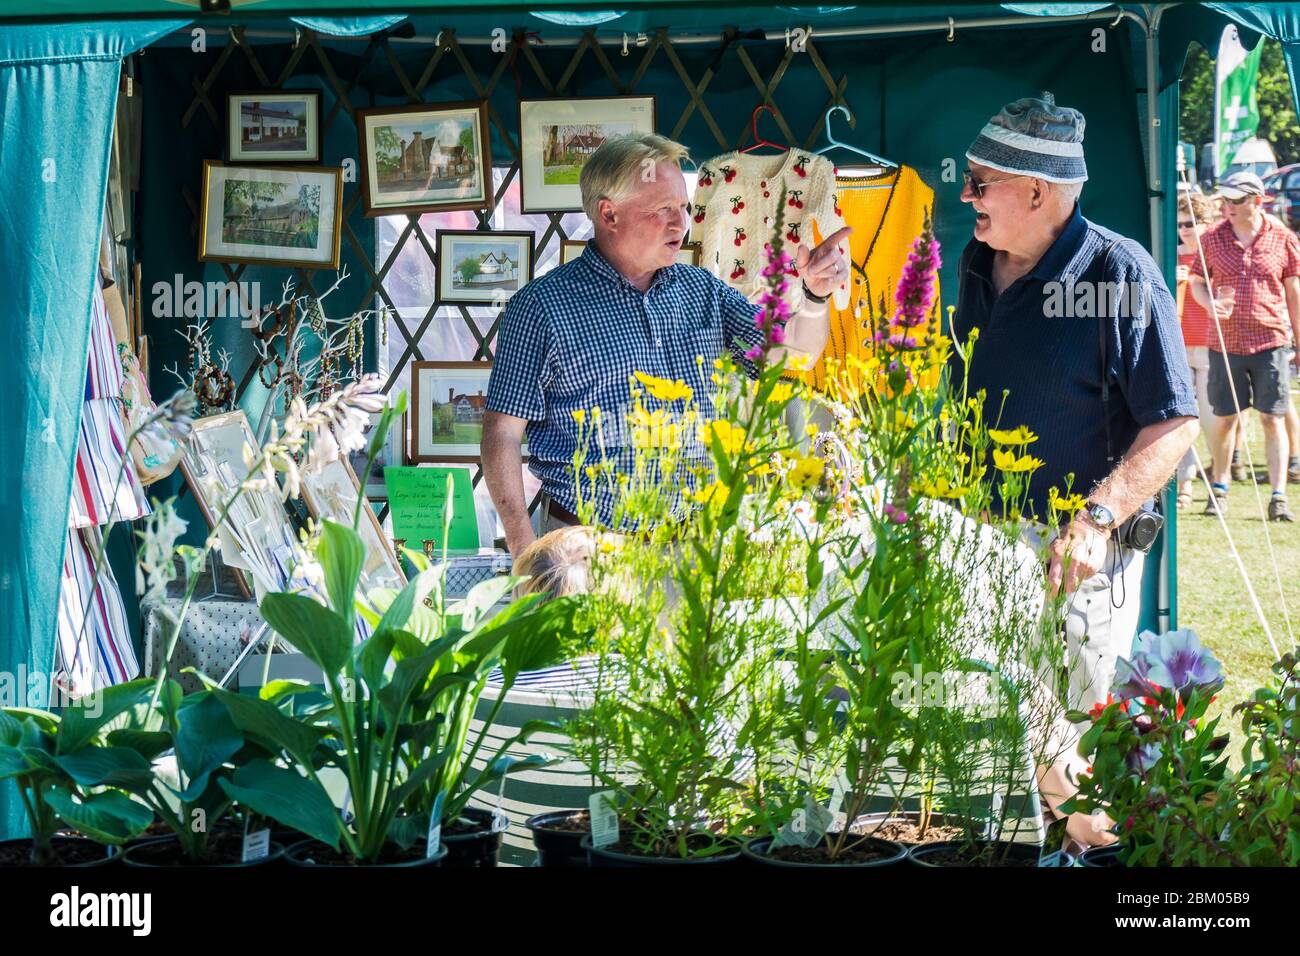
{"x": 1254, "y": 267}
{"x": 571, "y": 339}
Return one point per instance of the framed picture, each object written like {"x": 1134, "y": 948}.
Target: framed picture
{"x": 448, "y": 400}
{"x": 257, "y": 535}
{"x": 557, "y": 136}
{"x": 271, "y": 215}
{"x": 571, "y": 249}
{"x": 273, "y": 127}
{"x": 425, "y": 158}
{"x": 394, "y": 452}
{"x": 476, "y": 267}
{"x": 332, "y": 493}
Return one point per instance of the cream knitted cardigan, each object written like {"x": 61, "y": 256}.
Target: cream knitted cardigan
{"x": 734, "y": 207}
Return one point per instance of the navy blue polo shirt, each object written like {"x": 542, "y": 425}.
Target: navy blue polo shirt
{"x": 1040, "y": 342}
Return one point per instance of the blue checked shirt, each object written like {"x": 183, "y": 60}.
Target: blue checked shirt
{"x": 571, "y": 340}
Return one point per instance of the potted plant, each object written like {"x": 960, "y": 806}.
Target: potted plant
{"x": 1159, "y": 768}
{"x": 45, "y": 755}
{"x": 379, "y": 725}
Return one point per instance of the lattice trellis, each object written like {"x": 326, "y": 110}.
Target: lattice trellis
{"x": 522, "y": 50}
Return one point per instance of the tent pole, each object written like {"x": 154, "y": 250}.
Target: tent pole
{"x": 816, "y": 33}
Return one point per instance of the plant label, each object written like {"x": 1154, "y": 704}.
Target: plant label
{"x": 500, "y": 822}
{"x": 433, "y": 839}
{"x": 257, "y": 846}
{"x": 806, "y": 827}
{"x": 604, "y": 818}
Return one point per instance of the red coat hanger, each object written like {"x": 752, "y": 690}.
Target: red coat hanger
{"x": 753, "y": 125}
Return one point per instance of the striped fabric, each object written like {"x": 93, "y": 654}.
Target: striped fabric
{"x": 100, "y": 654}
{"x": 99, "y": 495}
{"x": 94, "y": 642}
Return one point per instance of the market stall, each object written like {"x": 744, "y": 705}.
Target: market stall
{"x": 165, "y": 113}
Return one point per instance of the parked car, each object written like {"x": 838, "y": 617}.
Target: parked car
{"x": 1283, "y": 194}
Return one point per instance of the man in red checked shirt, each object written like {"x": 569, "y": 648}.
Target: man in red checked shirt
{"x": 1254, "y": 269}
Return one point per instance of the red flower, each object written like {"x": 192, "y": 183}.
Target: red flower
{"x": 1098, "y": 707}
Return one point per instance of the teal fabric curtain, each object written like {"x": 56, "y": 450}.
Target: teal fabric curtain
{"x": 349, "y": 26}
{"x": 58, "y": 92}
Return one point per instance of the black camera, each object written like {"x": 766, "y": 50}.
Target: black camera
{"x": 1140, "y": 530}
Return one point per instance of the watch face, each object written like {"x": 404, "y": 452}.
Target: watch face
{"x": 1102, "y": 515}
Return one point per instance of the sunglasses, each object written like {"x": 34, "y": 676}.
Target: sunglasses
{"x": 1186, "y": 225}
{"x": 1238, "y": 202}
{"x": 978, "y": 186}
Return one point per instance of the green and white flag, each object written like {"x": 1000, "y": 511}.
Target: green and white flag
{"x": 1236, "y": 111}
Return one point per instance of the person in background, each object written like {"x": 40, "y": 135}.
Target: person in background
{"x": 1254, "y": 263}
{"x": 1196, "y": 213}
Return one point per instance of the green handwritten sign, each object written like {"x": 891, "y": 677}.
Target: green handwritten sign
{"x": 417, "y": 500}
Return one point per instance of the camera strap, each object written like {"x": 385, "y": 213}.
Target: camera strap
{"x": 1104, "y": 318}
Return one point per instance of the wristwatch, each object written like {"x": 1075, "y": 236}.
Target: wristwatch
{"x": 1101, "y": 516}
{"x": 809, "y": 294}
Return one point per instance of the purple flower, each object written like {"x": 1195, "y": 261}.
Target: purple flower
{"x": 1144, "y": 757}
{"x": 914, "y": 295}
{"x": 1178, "y": 660}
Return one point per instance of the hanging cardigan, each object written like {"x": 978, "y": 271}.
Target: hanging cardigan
{"x": 735, "y": 204}
{"x": 885, "y": 224}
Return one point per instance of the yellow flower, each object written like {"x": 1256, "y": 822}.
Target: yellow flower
{"x": 1069, "y": 504}
{"x": 665, "y": 390}
{"x": 811, "y": 429}
{"x": 807, "y": 472}
{"x": 1007, "y": 461}
{"x": 711, "y": 494}
{"x": 653, "y": 429}
{"x": 595, "y": 413}
{"x": 1018, "y": 436}
{"x": 731, "y": 436}
{"x": 942, "y": 488}
{"x": 579, "y": 415}
{"x": 782, "y": 392}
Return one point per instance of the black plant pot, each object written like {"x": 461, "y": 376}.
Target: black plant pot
{"x": 73, "y": 846}
{"x": 313, "y": 853}
{"x": 1101, "y": 857}
{"x": 1022, "y": 854}
{"x": 166, "y": 852}
{"x": 478, "y": 847}
{"x": 557, "y": 848}
{"x": 603, "y": 856}
{"x": 756, "y": 851}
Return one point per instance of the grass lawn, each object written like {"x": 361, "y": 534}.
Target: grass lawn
{"x": 1212, "y": 598}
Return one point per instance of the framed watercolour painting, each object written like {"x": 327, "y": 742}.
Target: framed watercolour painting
{"x": 477, "y": 268}
{"x": 273, "y": 127}
{"x": 429, "y": 157}
{"x": 557, "y": 136}
{"x": 271, "y": 215}
{"x": 448, "y": 400}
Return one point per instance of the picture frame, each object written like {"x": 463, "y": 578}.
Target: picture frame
{"x": 556, "y": 135}
{"x": 213, "y": 459}
{"x": 691, "y": 253}
{"x": 393, "y": 453}
{"x": 271, "y": 215}
{"x": 273, "y": 126}
{"x": 407, "y": 166}
{"x": 475, "y": 267}
{"x": 448, "y": 400}
{"x": 332, "y": 494}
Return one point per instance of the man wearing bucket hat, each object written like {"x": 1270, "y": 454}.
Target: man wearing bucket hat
{"x": 1254, "y": 266}
{"x": 1079, "y": 341}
